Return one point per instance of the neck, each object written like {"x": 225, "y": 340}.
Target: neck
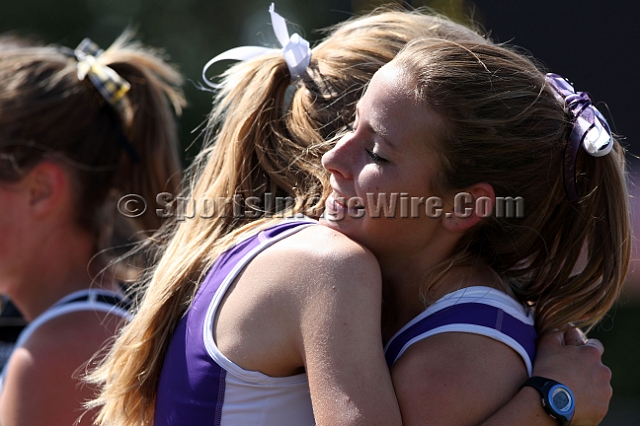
{"x": 411, "y": 286}
{"x": 61, "y": 264}
{"x": 403, "y": 278}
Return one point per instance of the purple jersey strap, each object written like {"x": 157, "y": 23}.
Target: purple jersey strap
{"x": 478, "y": 314}
{"x": 192, "y": 386}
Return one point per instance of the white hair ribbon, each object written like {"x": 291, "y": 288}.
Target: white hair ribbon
{"x": 295, "y": 50}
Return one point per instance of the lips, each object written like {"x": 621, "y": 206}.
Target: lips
{"x": 338, "y": 205}
{"x": 335, "y": 204}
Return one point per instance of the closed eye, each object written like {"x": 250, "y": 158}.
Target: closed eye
{"x": 375, "y": 157}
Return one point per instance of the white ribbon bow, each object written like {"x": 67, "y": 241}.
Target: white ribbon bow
{"x": 295, "y": 50}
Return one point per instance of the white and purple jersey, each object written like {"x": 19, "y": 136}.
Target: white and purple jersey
{"x": 478, "y": 310}
{"x": 92, "y": 300}
{"x": 199, "y": 386}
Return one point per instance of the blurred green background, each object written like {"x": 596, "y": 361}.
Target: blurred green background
{"x": 584, "y": 40}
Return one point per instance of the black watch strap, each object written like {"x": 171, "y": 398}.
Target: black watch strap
{"x": 540, "y": 383}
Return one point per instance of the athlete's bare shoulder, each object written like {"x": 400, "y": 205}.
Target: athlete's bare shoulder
{"x": 318, "y": 242}
{"x": 320, "y": 254}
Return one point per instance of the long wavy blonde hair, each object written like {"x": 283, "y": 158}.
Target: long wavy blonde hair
{"x": 266, "y": 137}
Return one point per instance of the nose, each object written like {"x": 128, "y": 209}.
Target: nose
{"x": 339, "y": 159}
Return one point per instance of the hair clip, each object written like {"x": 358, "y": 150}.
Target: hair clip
{"x": 589, "y": 129}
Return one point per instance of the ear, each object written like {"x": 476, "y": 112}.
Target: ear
{"x": 470, "y": 207}
{"x": 49, "y": 188}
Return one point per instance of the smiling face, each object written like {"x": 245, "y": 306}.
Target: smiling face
{"x": 390, "y": 153}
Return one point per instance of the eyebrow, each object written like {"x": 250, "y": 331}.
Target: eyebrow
{"x": 379, "y": 130}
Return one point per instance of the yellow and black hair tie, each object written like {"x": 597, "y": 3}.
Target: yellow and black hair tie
{"x": 109, "y": 84}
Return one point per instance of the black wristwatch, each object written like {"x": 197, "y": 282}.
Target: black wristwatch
{"x": 557, "y": 399}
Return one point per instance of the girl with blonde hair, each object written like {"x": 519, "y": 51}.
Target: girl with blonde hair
{"x": 278, "y": 322}
{"x": 469, "y": 123}
{"x": 79, "y": 129}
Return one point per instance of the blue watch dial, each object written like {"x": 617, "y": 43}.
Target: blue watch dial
{"x": 561, "y": 399}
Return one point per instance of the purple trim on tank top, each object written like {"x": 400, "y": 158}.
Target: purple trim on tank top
{"x": 467, "y": 313}
{"x": 220, "y": 398}
{"x": 192, "y": 386}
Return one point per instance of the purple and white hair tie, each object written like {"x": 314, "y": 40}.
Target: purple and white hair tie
{"x": 589, "y": 129}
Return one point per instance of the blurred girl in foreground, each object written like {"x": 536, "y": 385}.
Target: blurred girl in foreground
{"x": 78, "y": 130}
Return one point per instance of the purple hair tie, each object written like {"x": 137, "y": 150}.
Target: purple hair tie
{"x": 590, "y": 129}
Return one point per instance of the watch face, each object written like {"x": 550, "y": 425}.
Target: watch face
{"x": 561, "y": 399}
